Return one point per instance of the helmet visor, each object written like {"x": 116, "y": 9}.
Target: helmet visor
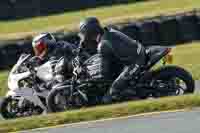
{"x": 40, "y": 49}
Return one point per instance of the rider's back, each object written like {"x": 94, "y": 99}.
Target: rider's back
{"x": 117, "y": 45}
{"x": 118, "y": 50}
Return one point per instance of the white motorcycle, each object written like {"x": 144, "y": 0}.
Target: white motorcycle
{"x": 27, "y": 89}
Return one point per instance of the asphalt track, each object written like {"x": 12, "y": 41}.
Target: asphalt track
{"x": 176, "y": 122}
{"x": 170, "y": 122}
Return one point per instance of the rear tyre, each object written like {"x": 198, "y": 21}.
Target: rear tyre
{"x": 176, "y": 77}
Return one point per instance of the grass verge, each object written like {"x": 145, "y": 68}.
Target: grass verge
{"x": 95, "y": 113}
{"x": 187, "y": 56}
{"x": 3, "y": 82}
{"x": 111, "y": 14}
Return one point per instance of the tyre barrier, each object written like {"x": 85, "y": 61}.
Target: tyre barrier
{"x": 168, "y": 31}
{"x": 69, "y": 37}
{"x": 148, "y": 32}
{"x": 188, "y": 27}
{"x": 10, "y": 52}
{"x": 159, "y": 30}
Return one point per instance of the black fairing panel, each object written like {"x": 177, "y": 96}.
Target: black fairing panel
{"x": 155, "y": 54}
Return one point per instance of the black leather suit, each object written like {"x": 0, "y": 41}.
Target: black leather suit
{"x": 121, "y": 59}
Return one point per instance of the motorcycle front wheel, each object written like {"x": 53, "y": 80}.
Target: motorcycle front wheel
{"x": 8, "y": 108}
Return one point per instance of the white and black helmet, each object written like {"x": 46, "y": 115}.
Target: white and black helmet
{"x": 41, "y": 41}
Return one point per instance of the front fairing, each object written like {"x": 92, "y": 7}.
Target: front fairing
{"x": 22, "y": 59}
{"x": 14, "y": 75}
{"x": 13, "y": 79}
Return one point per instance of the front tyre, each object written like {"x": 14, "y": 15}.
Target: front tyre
{"x": 7, "y": 108}
{"x": 173, "y": 80}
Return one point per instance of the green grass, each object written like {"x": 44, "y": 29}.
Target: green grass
{"x": 112, "y": 14}
{"x": 186, "y": 56}
{"x": 3, "y": 82}
{"x": 124, "y": 109}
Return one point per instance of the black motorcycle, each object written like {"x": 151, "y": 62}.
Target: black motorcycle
{"x": 85, "y": 90}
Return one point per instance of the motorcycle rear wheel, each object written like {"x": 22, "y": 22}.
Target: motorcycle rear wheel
{"x": 166, "y": 73}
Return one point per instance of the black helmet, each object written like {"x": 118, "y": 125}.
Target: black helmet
{"x": 90, "y": 28}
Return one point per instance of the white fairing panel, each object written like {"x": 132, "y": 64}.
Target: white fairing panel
{"x": 22, "y": 92}
{"x": 14, "y": 79}
{"x": 45, "y": 72}
{"x": 29, "y": 94}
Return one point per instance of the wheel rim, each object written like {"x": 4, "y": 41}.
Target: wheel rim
{"x": 180, "y": 86}
{"x": 175, "y": 86}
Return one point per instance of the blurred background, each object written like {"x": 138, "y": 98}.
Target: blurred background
{"x": 19, "y": 9}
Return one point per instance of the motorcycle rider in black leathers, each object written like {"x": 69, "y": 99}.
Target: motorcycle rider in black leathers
{"x": 121, "y": 56}
{"x": 47, "y": 48}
